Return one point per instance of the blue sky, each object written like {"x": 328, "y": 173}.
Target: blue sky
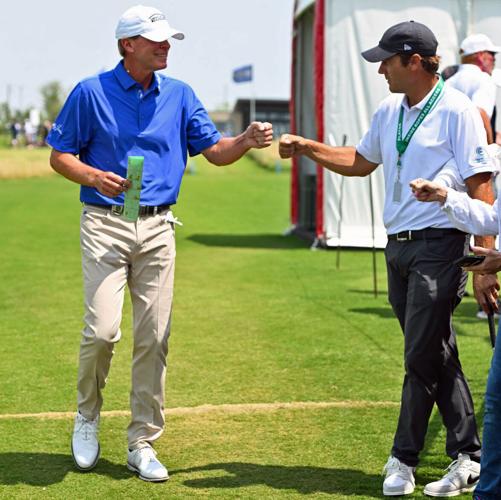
{"x": 67, "y": 40}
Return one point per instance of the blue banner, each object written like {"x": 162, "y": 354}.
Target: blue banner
{"x": 243, "y": 74}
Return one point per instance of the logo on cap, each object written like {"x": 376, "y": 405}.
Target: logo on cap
{"x": 407, "y": 47}
{"x": 157, "y": 17}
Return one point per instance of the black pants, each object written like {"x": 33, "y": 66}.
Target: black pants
{"x": 424, "y": 288}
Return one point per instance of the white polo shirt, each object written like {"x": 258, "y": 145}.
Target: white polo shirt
{"x": 452, "y": 129}
{"x": 478, "y": 85}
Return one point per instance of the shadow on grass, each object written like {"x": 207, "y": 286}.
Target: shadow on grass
{"x": 382, "y": 293}
{"x": 304, "y": 480}
{"x": 382, "y": 312}
{"x": 267, "y": 241}
{"x": 44, "y": 469}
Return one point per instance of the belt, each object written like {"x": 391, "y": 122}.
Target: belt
{"x": 424, "y": 234}
{"x": 143, "y": 209}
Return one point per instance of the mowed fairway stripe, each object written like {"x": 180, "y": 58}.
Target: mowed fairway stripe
{"x": 223, "y": 408}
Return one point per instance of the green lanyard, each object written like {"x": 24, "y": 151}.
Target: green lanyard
{"x": 403, "y": 143}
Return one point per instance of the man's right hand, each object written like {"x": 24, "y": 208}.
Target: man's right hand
{"x": 110, "y": 184}
{"x": 425, "y": 190}
{"x": 291, "y": 145}
{"x": 486, "y": 286}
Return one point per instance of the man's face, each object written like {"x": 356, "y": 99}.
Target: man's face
{"x": 396, "y": 73}
{"x": 151, "y": 56}
{"x": 487, "y": 61}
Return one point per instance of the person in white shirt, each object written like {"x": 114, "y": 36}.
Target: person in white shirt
{"x": 477, "y": 217}
{"x": 416, "y": 131}
{"x": 473, "y": 77}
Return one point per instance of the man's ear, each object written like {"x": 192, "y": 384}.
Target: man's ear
{"x": 415, "y": 61}
{"x": 127, "y": 45}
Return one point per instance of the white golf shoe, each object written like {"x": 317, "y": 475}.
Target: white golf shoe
{"x": 399, "y": 478}
{"x": 84, "y": 443}
{"x": 461, "y": 477}
{"x": 145, "y": 463}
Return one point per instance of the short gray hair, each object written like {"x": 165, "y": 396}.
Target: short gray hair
{"x": 121, "y": 50}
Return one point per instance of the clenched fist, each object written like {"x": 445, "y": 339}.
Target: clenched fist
{"x": 291, "y": 145}
{"x": 425, "y": 190}
{"x": 259, "y": 135}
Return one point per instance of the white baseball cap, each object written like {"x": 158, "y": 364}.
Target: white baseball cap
{"x": 148, "y": 22}
{"x": 477, "y": 43}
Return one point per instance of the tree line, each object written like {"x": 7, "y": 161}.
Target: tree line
{"x": 15, "y": 121}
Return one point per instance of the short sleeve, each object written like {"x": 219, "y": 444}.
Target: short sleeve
{"x": 370, "y": 144}
{"x": 71, "y": 131}
{"x": 469, "y": 143}
{"x": 201, "y": 131}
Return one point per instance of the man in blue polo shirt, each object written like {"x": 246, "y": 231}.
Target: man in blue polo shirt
{"x": 133, "y": 111}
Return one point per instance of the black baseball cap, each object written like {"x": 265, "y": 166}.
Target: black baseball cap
{"x": 408, "y": 37}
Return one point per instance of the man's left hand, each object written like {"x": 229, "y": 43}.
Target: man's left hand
{"x": 259, "y": 135}
{"x": 485, "y": 282}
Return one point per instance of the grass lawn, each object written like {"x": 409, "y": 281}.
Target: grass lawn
{"x": 258, "y": 318}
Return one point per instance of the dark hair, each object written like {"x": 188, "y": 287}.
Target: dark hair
{"x": 430, "y": 63}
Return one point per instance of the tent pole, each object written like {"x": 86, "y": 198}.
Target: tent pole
{"x": 374, "y": 267}
{"x": 340, "y": 209}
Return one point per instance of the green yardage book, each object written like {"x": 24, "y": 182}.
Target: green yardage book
{"x": 133, "y": 194}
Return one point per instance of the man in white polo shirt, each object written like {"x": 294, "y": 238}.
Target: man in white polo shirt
{"x": 473, "y": 77}
{"x": 419, "y": 128}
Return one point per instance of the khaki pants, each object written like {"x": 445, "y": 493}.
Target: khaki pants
{"x": 141, "y": 254}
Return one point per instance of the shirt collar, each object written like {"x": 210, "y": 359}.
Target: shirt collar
{"x": 127, "y": 82}
{"x": 422, "y": 103}
{"x": 470, "y": 67}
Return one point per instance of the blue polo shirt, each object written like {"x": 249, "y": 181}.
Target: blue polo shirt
{"x": 109, "y": 117}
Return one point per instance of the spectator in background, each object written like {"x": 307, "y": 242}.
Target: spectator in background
{"x": 30, "y": 132}
{"x": 15, "y": 130}
{"x": 43, "y": 132}
{"x": 473, "y": 78}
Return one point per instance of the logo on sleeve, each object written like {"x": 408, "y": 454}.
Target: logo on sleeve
{"x": 481, "y": 156}
{"x": 57, "y": 127}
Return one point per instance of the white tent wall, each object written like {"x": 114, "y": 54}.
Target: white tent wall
{"x": 353, "y": 90}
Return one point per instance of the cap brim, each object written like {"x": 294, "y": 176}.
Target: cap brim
{"x": 377, "y": 54}
{"x": 494, "y": 49}
{"x": 159, "y": 35}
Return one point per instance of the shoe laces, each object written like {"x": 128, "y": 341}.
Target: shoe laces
{"x": 394, "y": 466}
{"x": 458, "y": 467}
{"x": 86, "y": 428}
{"x": 147, "y": 453}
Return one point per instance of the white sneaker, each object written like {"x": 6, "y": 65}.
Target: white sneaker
{"x": 145, "y": 463}
{"x": 462, "y": 477}
{"x": 481, "y": 314}
{"x": 399, "y": 478}
{"x": 84, "y": 443}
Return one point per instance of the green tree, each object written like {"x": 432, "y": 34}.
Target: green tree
{"x": 5, "y": 114}
{"x": 53, "y": 96}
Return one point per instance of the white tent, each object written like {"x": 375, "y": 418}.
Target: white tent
{"x": 335, "y": 92}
